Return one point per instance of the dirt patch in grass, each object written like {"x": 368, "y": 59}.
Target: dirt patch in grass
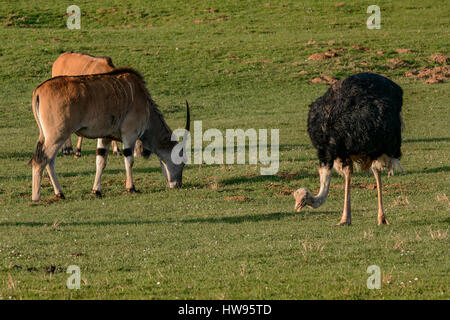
{"x": 280, "y": 189}
{"x": 237, "y": 198}
{"x": 439, "y": 58}
{"x": 401, "y": 50}
{"x": 395, "y": 63}
{"x": 287, "y": 176}
{"x": 430, "y": 75}
{"x": 337, "y": 50}
{"x": 324, "y": 79}
{"x": 112, "y": 10}
{"x": 360, "y": 48}
{"x": 322, "y": 56}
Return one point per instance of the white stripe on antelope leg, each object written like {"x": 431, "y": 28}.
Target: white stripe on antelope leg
{"x": 128, "y": 148}
{"x": 100, "y": 162}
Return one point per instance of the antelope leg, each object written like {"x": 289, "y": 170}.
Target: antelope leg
{"x": 100, "y": 162}
{"x": 128, "y": 147}
{"x": 78, "y": 150}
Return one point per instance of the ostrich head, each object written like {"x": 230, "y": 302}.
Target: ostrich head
{"x": 303, "y": 197}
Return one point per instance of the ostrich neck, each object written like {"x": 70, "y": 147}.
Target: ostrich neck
{"x": 325, "y": 176}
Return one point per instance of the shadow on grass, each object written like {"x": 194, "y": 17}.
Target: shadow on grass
{"x": 426, "y": 140}
{"x": 85, "y": 173}
{"x": 229, "y": 220}
{"x": 270, "y": 178}
{"x": 430, "y": 170}
{"x": 29, "y": 154}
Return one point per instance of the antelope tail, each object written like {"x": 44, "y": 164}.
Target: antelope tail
{"x": 39, "y": 155}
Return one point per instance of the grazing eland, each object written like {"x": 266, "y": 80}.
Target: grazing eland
{"x": 108, "y": 106}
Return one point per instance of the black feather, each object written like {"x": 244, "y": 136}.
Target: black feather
{"x": 359, "y": 115}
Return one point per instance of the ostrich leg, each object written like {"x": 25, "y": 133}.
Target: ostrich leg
{"x": 381, "y": 217}
{"x": 346, "y": 218}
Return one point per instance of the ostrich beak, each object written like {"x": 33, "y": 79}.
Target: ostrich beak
{"x": 299, "y": 204}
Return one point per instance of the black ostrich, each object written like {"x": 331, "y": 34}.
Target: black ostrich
{"x": 358, "y": 120}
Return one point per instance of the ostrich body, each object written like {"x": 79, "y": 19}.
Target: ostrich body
{"x": 358, "y": 120}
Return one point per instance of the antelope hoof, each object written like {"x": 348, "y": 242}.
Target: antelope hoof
{"x": 133, "y": 190}
{"x": 97, "y": 193}
{"x": 67, "y": 151}
{"x": 60, "y": 196}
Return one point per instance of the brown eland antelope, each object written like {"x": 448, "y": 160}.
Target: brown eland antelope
{"x": 76, "y": 64}
{"x": 108, "y": 106}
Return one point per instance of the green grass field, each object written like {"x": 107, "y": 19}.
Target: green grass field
{"x": 229, "y": 233}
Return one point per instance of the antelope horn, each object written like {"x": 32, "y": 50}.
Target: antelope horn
{"x": 188, "y": 117}
{"x": 186, "y": 133}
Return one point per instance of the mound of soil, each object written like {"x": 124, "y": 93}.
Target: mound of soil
{"x": 440, "y": 58}
{"x": 394, "y": 63}
{"x": 360, "y": 48}
{"x": 237, "y": 198}
{"x": 319, "y": 56}
{"x": 431, "y": 75}
{"x": 404, "y": 50}
{"x": 324, "y": 79}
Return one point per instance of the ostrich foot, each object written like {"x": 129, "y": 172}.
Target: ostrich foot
{"x": 78, "y": 153}
{"x": 344, "y": 223}
{"x": 117, "y": 152}
{"x": 97, "y": 193}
